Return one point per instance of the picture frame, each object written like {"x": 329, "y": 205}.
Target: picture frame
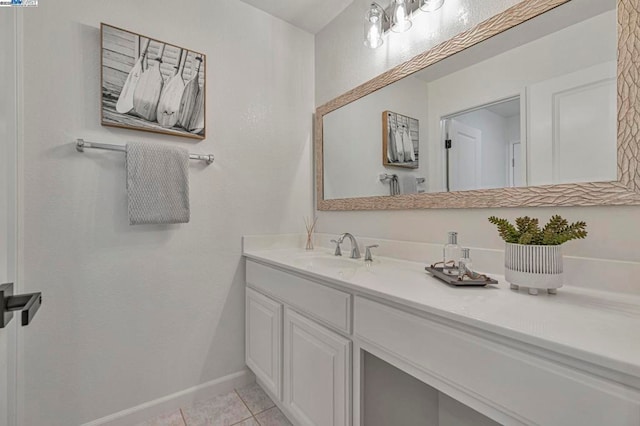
{"x": 151, "y": 85}
{"x": 400, "y": 140}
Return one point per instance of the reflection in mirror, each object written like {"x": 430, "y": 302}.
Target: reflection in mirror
{"x": 534, "y": 105}
{"x": 483, "y": 147}
{"x": 400, "y": 140}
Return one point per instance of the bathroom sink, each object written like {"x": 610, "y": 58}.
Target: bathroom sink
{"x": 333, "y": 262}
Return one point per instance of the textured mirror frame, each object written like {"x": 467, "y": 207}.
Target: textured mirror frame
{"x": 624, "y": 191}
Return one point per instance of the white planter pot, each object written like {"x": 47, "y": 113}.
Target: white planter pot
{"x": 534, "y": 267}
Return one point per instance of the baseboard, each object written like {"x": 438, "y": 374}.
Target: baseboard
{"x": 169, "y": 403}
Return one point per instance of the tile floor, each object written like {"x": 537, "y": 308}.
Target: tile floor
{"x": 247, "y": 406}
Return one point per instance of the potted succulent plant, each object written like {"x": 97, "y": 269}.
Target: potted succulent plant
{"x": 533, "y": 255}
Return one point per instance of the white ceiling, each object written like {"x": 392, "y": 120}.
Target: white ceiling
{"x": 310, "y": 15}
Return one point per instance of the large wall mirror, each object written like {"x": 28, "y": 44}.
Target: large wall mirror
{"x": 536, "y": 106}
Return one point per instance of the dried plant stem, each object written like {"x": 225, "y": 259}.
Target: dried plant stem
{"x": 311, "y": 226}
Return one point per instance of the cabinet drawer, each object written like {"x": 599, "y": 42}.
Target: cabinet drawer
{"x": 527, "y": 388}
{"x": 324, "y": 303}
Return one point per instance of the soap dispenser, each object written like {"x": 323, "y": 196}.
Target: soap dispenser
{"x": 464, "y": 265}
{"x": 451, "y": 253}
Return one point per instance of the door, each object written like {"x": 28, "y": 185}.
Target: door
{"x": 316, "y": 372}
{"x": 573, "y": 127}
{"x": 7, "y": 376}
{"x": 8, "y": 372}
{"x": 264, "y": 339}
{"x": 515, "y": 166}
{"x": 465, "y": 157}
{"x": 8, "y": 136}
{"x": 7, "y": 353}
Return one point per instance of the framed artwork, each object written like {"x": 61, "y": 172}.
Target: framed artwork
{"x": 400, "y": 140}
{"x": 151, "y": 85}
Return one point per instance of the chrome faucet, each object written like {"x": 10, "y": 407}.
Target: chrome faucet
{"x": 367, "y": 254}
{"x": 355, "y": 250}
{"x": 338, "y": 252}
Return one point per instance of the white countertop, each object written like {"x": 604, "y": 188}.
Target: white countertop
{"x": 602, "y": 328}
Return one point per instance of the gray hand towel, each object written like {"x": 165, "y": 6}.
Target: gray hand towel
{"x": 157, "y": 184}
{"x": 409, "y": 184}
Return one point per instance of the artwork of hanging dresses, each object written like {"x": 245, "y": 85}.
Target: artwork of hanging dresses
{"x": 400, "y": 140}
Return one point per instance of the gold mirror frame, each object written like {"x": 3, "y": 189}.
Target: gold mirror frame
{"x": 624, "y": 191}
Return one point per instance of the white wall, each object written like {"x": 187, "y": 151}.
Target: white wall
{"x": 613, "y": 233}
{"x": 353, "y": 152}
{"x": 131, "y": 314}
{"x": 343, "y": 62}
{"x": 513, "y": 129}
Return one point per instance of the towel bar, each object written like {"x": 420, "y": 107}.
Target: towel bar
{"x": 81, "y": 144}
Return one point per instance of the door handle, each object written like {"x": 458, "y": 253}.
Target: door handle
{"x": 27, "y": 304}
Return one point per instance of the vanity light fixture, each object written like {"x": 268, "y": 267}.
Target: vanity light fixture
{"x": 396, "y": 17}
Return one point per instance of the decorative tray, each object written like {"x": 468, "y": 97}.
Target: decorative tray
{"x": 480, "y": 281}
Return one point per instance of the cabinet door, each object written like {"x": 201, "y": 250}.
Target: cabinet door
{"x": 264, "y": 339}
{"x": 316, "y": 372}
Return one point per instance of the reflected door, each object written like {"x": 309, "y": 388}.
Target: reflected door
{"x": 465, "y": 157}
{"x": 516, "y": 169}
{"x": 573, "y": 126}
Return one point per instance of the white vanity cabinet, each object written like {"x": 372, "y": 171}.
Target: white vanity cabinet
{"x": 296, "y": 345}
{"x": 307, "y": 332}
{"x": 512, "y": 383}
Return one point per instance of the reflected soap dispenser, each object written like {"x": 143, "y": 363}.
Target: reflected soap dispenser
{"x": 464, "y": 265}
{"x": 451, "y": 253}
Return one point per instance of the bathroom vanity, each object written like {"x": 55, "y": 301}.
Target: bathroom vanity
{"x": 566, "y": 359}
{"x": 561, "y": 74}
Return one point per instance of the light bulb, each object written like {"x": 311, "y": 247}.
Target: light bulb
{"x": 401, "y": 19}
{"x": 374, "y": 38}
{"x": 431, "y": 5}
{"x": 373, "y": 26}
